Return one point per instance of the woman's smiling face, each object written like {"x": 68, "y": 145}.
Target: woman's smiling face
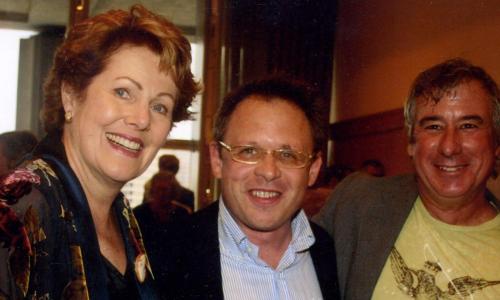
{"x": 122, "y": 119}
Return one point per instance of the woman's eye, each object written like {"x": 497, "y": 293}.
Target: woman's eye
{"x": 122, "y": 93}
{"x": 159, "y": 108}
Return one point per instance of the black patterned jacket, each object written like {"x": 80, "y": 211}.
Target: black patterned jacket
{"x": 48, "y": 243}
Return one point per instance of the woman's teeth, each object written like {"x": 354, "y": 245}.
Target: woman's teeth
{"x": 123, "y": 142}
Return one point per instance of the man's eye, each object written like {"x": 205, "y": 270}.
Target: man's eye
{"x": 159, "y": 108}
{"x": 289, "y": 155}
{"x": 122, "y": 93}
{"x": 468, "y": 126}
{"x": 248, "y": 151}
{"x": 433, "y": 127}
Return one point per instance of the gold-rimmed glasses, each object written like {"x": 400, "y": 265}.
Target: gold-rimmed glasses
{"x": 251, "y": 155}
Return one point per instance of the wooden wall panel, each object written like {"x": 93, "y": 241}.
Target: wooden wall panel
{"x": 381, "y": 136}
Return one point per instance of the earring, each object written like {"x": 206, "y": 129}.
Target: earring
{"x": 68, "y": 116}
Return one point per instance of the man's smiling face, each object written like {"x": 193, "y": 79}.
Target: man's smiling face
{"x": 454, "y": 149}
{"x": 264, "y": 197}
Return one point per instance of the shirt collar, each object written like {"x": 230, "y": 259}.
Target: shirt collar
{"x": 231, "y": 231}
{"x": 231, "y": 234}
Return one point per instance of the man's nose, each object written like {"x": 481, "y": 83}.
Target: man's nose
{"x": 268, "y": 167}
{"x": 450, "y": 142}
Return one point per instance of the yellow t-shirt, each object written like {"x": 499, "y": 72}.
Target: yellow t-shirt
{"x": 435, "y": 260}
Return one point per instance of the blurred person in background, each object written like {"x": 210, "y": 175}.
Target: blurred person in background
{"x": 317, "y": 194}
{"x": 118, "y": 82}
{"x": 14, "y": 145}
{"x": 164, "y": 202}
{"x": 170, "y": 163}
{"x": 162, "y": 209}
{"x": 373, "y": 167}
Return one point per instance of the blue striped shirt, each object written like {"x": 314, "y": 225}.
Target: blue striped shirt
{"x": 246, "y": 276}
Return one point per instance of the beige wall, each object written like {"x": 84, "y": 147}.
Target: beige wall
{"x": 381, "y": 45}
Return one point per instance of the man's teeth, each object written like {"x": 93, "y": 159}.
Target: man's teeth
{"x": 263, "y": 194}
{"x": 449, "y": 169}
{"x": 123, "y": 142}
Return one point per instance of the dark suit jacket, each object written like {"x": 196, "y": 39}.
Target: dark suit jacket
{"x": 192, "y": 269}
{"x": 187, "y": 198}
{"x": 365, "y": 214}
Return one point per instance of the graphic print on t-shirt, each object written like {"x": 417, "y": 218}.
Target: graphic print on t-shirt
{"x": 421, "y": 283}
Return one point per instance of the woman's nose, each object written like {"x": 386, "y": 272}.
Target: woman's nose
{"x": 139, "y": 116}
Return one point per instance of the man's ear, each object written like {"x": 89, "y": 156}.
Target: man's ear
{"x": 68, "y": 97}
{"x": 411, "y": 149}
{"x": 314, "y": 169}
{"x": 215, "y": 160}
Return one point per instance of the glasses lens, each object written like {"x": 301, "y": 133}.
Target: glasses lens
{"x": 291, "y": 158}
{"x": 248, "y": 154}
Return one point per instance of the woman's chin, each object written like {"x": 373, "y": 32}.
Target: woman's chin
{"x": 121, "y": 176}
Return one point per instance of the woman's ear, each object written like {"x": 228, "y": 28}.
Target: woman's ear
{"x": 68, "y": 97}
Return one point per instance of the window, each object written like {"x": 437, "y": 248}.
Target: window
{"x": 9, "y": 60}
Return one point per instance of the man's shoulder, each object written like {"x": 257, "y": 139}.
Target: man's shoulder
{"x": 206, "y": 214}
{"x": 359, "y": 195}
{"x": 366, "y": 187}
{"x": 202, "y": 225}
{"x": 361, "y": 179}
{"x": 319, "y": 232}
{"x": 187, "y": 191}
{"x": 322, "y": 239}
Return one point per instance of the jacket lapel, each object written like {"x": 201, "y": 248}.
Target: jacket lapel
{"x": 206, "y": 281}
{"x": 323, "y": 257}
{"x": 380, "y": 228}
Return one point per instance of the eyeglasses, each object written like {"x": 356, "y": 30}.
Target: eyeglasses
{"x": 251, "y": 155}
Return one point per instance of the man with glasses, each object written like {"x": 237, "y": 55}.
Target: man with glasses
{"x": 256, "y": 242}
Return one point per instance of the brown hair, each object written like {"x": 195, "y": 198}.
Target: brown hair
{"x": 280, "y": 87}
{"x": 168, "y": 162}
{"x": 89, "y": 45}
{"x": 433, "y": 83}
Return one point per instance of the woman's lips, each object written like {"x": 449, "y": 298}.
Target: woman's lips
{"x": 127, "y": 145}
